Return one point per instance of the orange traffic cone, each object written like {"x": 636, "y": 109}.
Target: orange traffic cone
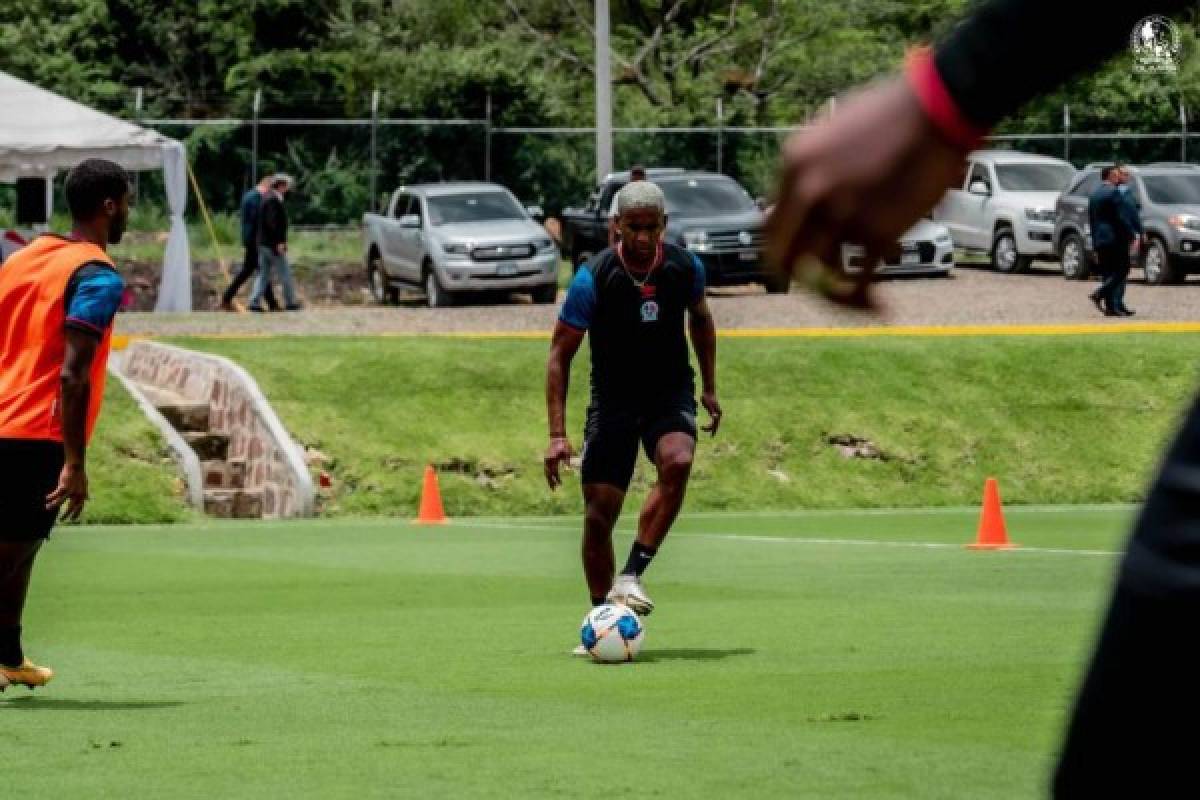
{"x": 992, "y": 533}
{"x": 431, "y": 512}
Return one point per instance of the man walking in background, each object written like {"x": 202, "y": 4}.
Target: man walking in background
{"x": 58, "y": 297}
{"x": 1116, "y": 228}
{"x": 272, "y": 245}
{"x": 252, "y": 202}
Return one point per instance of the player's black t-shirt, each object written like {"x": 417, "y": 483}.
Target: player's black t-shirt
{"x": 637, "y": 333}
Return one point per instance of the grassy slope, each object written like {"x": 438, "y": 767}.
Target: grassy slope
{"x": 1057, "y": 419}
{"x": 361, "y": 659}
{"x": 132, "y": 477}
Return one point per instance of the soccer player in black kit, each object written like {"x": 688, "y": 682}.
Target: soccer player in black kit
{"x": 633, "y": 301}
{"x": 866, "y": 175}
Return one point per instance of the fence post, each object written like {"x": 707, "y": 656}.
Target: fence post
{"x": 1183, "y": 132}
{"x": 720, "y": 134}
{"x": 371, "y": 205}
{"x": 1066, "y": 131}
{"x": 138, "y": 96}
{"x": 254, "y": 138}
{"x": 487, "y": 138}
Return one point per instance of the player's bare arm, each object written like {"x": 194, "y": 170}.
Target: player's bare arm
{"x": 703, "y": 331}
{"x": 563, "y": 346}
{"x": 76, "y": 392}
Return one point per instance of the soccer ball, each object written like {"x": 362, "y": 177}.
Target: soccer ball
{"x": 612, "y": 633}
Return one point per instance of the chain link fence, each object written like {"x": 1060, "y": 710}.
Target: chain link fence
{"x": 345, "y": 167}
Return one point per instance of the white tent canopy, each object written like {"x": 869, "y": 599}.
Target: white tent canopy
{"x": 42, "y": 133}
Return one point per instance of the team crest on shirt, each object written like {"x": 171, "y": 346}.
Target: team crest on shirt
{"x": 649, "y": 311}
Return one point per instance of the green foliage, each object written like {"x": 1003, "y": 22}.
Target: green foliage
{"x": 772, "y": 62}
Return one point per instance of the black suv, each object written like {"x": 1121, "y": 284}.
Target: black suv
{"x": 709, "y": 214}
{"x": 1168, "y": 199}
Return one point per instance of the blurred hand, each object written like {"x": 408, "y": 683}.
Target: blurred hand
{"x": 72, "y": 489}
{"x": 713, "y": 407}
{"x": 861, "y": 176}
{"x": 281, "y": 248}
{"x": 558, "y": 453}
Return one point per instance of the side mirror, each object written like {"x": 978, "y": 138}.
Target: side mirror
{"x": 536, "y": 212}
{"x": 979, "y": 187}
{"x": 410, "y": 221}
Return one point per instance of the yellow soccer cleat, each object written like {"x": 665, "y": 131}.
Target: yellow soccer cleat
{"x": 28, "y": 674}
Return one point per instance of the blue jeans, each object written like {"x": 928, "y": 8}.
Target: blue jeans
{"x": 270, "y": 261}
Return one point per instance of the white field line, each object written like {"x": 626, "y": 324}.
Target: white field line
{"x": 735, "y": 537}
{"x": 871, "y": 512}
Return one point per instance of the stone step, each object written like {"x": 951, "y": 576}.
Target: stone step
{"x": 224, "y": 474}
{"x": 209, "y": 446}
{"x": 186, "y": 417}
{"x": 233, "y": 503}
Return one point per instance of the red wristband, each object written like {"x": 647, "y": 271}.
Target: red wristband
{"x": 923, "y": 78}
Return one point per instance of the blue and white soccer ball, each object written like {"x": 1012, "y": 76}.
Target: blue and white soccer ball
{"x": 612, "y": 633}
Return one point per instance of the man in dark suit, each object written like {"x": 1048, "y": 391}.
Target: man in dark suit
{"x": 1116, "y": 226}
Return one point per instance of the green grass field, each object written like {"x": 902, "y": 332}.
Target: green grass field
{"x": 815, "y": 655}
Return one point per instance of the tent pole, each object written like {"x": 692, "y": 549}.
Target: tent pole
{"x": 212, "y": 233}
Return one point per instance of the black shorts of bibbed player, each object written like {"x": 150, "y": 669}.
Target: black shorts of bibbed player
{"x": 29, "y": 472}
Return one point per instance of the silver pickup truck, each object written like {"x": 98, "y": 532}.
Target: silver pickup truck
{"x": 452, "y": 238}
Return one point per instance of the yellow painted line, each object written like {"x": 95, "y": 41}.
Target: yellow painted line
{"x": 1075, "y": 329}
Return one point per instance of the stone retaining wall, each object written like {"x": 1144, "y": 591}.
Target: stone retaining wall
{"x": 274, "y": 463}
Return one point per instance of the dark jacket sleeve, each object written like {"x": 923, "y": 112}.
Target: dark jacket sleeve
{"x": 1127, "y": 212}
{"x": 272, "y": 227}
{"x": 1010, "y": 51}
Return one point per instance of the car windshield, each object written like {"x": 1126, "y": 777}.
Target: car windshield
{"x": 450, "y": 209}
{"x": 1034, "y": 177}
{"x": 705, "y": 197}
{"x": 1173, "y": 190}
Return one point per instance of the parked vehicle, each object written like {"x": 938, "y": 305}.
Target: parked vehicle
{"x": 452, "y": 238}
{"x": 925, "y": 249}
{"x": 1005, "y": 207}
{"x": 1168, "y": 199}
{"x": 709, "y": 214}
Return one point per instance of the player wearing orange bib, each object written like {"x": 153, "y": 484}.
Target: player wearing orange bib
{"x": 58, "y": 297}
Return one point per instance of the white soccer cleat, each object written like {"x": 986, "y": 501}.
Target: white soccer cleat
{"x": 628, "y": 591}
{"x": 580, "y": 650}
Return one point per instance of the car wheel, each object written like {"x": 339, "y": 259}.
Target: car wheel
{"x": 1073, "y": 257}
{"x": 545, "y": 294}
{"x": 1005, "y": 257}
{"x": 435, "y": 295}
{"x": 1157, "y": 263}
{"x": 383, "y": 294}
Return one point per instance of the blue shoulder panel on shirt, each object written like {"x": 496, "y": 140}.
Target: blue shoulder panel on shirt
{"x": 93, "y": 297}
{"x": 701, "y": 279}
{"x": 579, "y": 309}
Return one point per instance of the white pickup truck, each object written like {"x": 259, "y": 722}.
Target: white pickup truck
{"x": 452, "y": 238}
{"x": 1005, "y": 207}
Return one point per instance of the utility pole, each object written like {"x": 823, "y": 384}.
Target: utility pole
{"x": 254, "y": 138}
{"x": 604, "y": 143}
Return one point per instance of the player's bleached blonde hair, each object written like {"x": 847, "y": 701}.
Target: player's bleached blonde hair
{"x": 641, "y": 195}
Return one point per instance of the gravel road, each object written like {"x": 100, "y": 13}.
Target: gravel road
{"x": 971, "y": 296}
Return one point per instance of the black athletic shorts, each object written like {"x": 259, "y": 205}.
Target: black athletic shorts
{"x": 29, "y": 471}
{"x": 611, "y": 435}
